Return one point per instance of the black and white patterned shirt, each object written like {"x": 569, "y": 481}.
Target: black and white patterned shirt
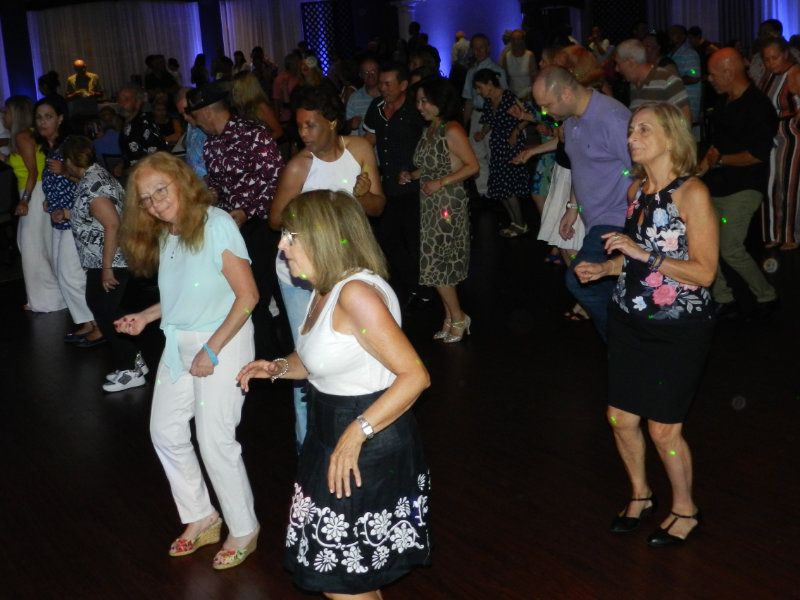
{"x": 88, "y": 231}
{"x": 139, "y": 138}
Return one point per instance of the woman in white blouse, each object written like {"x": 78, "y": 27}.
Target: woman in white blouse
{"x": 359, "y": 516}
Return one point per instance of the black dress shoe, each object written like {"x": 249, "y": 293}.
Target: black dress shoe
{"x": 623, "y": 524}
{"x": 662, "y": 536}
{"x": 87, "y": 343}
{"x": 74, "y": 338}
{"x": 728, "y": 311}
{"x": 764, "y": 310}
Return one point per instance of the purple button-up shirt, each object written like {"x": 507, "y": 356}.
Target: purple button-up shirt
{"x": 597, "y": 145}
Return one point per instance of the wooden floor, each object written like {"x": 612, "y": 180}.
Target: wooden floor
{"x": 526, "y": 477}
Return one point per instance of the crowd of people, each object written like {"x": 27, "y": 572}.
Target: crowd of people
{"x": 287, "y": 207}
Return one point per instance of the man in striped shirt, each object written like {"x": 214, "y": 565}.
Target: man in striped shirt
{"x": 649, "y": 83}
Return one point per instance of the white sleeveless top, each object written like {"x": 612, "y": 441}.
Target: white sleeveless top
{"x": 338, "y": 176}
{"x": 336, "y": 362}
{"x": 519, "y": 78}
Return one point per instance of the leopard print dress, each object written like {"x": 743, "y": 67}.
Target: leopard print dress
{"x": 444, "y": 216}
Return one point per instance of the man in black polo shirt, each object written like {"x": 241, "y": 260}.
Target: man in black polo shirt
{"x": 393, "y": 124}
{"x": 736, "y": 170}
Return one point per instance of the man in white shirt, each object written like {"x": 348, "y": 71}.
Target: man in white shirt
{"x": 359, "y": 101}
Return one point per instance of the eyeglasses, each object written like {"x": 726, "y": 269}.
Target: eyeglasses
{"x": 289, "y": 236}
{"x": 158, "y": 196}
{"x": 365, "y": 73}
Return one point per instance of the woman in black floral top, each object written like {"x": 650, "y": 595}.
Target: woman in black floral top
{"x": 661, "y": 314}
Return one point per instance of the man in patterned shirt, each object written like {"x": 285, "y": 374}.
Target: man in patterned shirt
{"x": 140, "y": 135}
{"x": 649, "y": 82}
{"x": 243, "y": 164}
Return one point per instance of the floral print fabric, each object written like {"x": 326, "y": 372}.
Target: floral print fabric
{"x": 650, "y": 294}
{"x": 328, "y": 542}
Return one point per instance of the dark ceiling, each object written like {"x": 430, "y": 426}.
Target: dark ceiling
{"x": 42, "y": 4}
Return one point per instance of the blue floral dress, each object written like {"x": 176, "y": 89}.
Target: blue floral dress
{"x": 659, "y": 330}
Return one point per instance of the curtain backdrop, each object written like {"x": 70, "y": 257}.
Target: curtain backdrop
{"x": 723, "y": 20}
{"x": 705, "y": 14}
{"x": 786, "y": 11}
{"x": 5, "y": 89}
{"x": 113, "y": 38}
{"x": 276, "y": 26}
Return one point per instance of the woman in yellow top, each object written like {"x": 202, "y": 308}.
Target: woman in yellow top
{"x": 34, "y": 237}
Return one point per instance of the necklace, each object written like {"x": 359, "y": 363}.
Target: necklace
{"x": 313, "y": 306}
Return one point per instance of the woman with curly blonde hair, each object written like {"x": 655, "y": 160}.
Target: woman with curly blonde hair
{"x": 207, "y": 293}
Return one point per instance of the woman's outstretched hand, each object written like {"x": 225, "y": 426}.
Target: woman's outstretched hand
{"x": 258, "y": 369}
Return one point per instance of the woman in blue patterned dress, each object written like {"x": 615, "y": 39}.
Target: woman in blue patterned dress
{"x": 661, "y": 315}
{"x": 507, "y": 182}
{"x": 59, "y": 192}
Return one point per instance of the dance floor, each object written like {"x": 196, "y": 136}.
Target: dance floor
{"x": 526, "y": 476}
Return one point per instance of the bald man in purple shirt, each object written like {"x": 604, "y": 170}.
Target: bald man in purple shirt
{"x": 596, "y": 138}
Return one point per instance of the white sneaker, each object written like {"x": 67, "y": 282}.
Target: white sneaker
{"x": 125, "y": 380}
{"x": 138, "y": 363}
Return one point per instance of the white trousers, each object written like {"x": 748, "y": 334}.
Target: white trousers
{"x": 481, "y": 150}
{"x": 215, "y": 403}
{"x": 35, "y": 241}
{"x": 70, "y": 275}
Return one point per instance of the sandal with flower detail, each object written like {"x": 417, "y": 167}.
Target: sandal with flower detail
{"x": 210, "y": 535}
{"x": 227, "y": 558}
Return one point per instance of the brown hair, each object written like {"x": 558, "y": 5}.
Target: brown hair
{"x": 336, "y": 236}
{"x": 141, "y": 234}
{"x": 682, "y": 146}
{"x": 79, "y": 150}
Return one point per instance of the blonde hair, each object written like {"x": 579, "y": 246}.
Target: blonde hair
{"x": 246, "y": 96}
{"x": 682, "y": 146}
{"x": 141, "y": 234}
{"x": 21, "y": 110}
{"x": 336, "y": 236}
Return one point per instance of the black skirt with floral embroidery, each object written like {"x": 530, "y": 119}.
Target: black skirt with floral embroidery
{"x": 364, "y": 542}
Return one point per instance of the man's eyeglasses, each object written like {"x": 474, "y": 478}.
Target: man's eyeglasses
{"x": 158, "y": 196}
{"x": 289, "y": 236}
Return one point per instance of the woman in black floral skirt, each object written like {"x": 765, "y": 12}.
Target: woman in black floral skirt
{"x": 359, "y": 515}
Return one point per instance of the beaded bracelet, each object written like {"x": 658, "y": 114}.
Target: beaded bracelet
{"x": 284, "y": 369}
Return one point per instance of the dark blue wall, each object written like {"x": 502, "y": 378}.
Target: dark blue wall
{"x": 17, "y": 48}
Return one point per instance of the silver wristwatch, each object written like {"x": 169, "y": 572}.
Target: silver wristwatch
{"x": 366, "y": 427}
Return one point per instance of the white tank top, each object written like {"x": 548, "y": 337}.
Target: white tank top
{"x": 339, "y": 175}
{"x": 336, "y": 362}
{"x": 519, "y": 78}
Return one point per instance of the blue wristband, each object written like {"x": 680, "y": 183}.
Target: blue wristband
{"x": 211, "y": 355}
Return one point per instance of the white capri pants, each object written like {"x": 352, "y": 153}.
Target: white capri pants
{"x": 35, "y": 241}
{"x": 215, "y": 402}
{"x": 70, "y": 275}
